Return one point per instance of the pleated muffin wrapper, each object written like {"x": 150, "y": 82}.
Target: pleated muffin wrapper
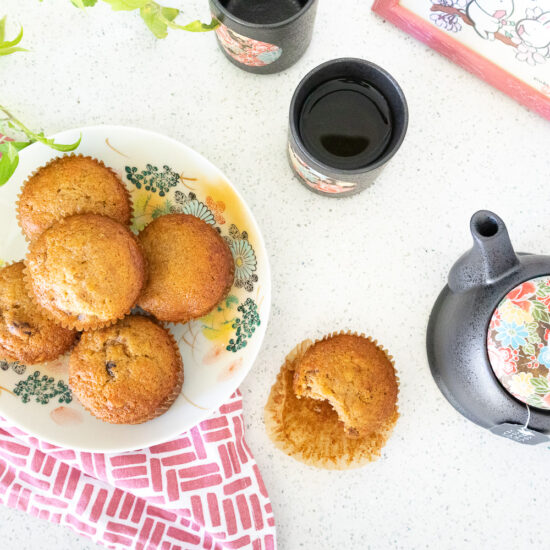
{"x": 169, "y": 400}
{"x": 42, "y": 358}
{"x": 64, "y": 214}
{"x": 78, "y": 325}
{"x": 310, "y": 430}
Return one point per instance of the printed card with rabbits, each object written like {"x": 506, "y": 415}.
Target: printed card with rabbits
{"x": 506, "y": 42}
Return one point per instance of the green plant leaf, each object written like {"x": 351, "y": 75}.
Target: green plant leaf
{"x": 126, "y": 5}
{"x": 198, "y": 26}
{"x": 169, "y": 13}
{"x": 11, "y": 50}
{"x": 8, "y": 47}
{"x": 59, "y": 146}
{"x": 160, "y": 19}
{"x": 157, "y": 18}
{"x": 17, "y": 144}
{"x": 14, "y": 42}
{"x": 10, "y": 149}
{"x": 84, "y": 3}
{"x": 8, "y": 162}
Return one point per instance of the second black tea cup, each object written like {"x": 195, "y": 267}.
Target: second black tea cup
{"x": 348, "y": 117}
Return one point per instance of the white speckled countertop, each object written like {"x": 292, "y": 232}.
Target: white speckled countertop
{"x": 373, "y": 263}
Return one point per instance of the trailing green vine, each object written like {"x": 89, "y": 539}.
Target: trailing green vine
{"x": 10, "y": 149}
{"x": 158, "y": 18}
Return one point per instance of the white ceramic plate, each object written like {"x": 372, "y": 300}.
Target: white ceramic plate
{"x": 218, "y": 350}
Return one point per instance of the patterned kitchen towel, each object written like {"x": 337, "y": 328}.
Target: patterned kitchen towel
{"x": 200, "y": 490}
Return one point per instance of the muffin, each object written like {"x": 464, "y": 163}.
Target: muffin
{"x": 309, "y": 430}
{"x": 354, "y": 375}
{"x": 127, "y": 373}
{"x": 26, "y": 335}
{"x": 190, "y": 268}
{"x": 71, "y": 185}
{"x": 86, "y": 271}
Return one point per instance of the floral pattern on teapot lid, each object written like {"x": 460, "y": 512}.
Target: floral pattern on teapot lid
{"x": 518, "y": 342}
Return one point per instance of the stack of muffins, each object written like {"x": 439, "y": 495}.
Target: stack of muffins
{"x": 84, "y": 273}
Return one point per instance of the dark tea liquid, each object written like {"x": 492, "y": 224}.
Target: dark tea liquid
{"x": 264, "y": 11}
{"x": 345, "y": 123}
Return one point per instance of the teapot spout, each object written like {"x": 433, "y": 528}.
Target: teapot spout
{"x": 491, "y": 258}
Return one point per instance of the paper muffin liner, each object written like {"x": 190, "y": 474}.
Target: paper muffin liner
{"x": 64, "y": 214}
{"x": 169, "y": 400}
{"x": 75, "y": 324}
{"x": 309, "y": 430}
{"x": 44, "y": 357}
{"x": 202, "y": 314}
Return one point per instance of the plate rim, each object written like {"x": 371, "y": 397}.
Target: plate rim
{"x": 206, "y": 412}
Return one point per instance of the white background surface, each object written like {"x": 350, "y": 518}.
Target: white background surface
{"x": 373, "y": 263}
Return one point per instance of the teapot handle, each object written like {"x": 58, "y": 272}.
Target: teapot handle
{"x": 491, "y": 258}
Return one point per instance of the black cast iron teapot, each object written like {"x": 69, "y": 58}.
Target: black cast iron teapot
{"x": 488, "y": 338}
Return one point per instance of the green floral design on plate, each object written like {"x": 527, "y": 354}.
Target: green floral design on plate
{"x": 43, "y": 389}
{"x": 152, "y": 179}
{"x": 246, "y": 326}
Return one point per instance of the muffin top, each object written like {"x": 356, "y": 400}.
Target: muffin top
{"x": 127, "y": 373}
{"x": 86, "y": 271}
{"x": 26, "y": 335}
{"x": 355, "y": 376}
{"x": 71, "y": 185}
{"x": 190, "y": 268}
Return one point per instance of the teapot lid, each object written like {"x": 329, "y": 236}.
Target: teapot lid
{"x": 518, "y": 342}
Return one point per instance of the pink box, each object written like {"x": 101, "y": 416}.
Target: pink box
{"x": 504, "y": 42}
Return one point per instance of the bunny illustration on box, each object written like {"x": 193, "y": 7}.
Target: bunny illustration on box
{"x": 535, "y": 32}
{"x": 523, "y": 30}
{"x": 488, "y": 16}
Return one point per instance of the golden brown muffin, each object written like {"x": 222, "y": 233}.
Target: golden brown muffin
{"x": 26, "y": 335}
{"x": 354, "y": 375}
{"x": 310, "y": 431}
{"x": 71, "y": 185}
{"x": 127, "y": 373}
{"x": 86, "y": 271}
{"x": 190, "y": 268}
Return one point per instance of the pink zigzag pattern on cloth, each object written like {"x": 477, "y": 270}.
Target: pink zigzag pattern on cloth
{"x": 200, "y": 490}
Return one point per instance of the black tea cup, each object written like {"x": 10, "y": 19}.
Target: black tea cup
{"x": 348, "y": 117}
{"x": 264, "y": 36}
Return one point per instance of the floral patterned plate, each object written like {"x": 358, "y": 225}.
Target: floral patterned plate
{"x": 218, "y": 350}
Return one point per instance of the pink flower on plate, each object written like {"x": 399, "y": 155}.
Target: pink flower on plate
{"x": 546, "y": 399}
{"x": 521, "y": 295}
{"x": 502, "y": 361}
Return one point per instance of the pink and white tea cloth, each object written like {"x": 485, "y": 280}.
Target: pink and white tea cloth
{"x": 201, "y": 490}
